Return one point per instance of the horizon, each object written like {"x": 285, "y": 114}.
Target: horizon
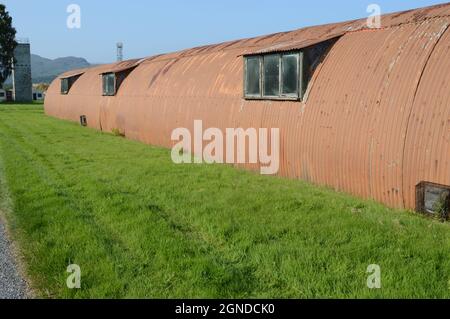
{"x": 51, "y": 38}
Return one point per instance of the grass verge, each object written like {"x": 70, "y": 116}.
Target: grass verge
{"x": 140, "y": 226}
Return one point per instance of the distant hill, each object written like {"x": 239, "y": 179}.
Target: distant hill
{"x": 46, "y": 70}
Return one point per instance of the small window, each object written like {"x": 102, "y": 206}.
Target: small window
{"x": 83, "y": 120}
{"x": 66, "y": 83}
{"x": 65, "y": 86}
{"x": 2, "y": 94}
{"x": 113, "y": 79}
{"x": 109, "y": 84}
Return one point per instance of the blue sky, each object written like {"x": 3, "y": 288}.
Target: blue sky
{"x": 148, "y": 27}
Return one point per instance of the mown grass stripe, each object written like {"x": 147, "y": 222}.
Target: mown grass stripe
{"x": 149, "y": 228}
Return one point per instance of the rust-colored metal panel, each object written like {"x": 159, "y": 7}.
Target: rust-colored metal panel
{"x": 359, "y": 107}
{"x": 124, "y": 65}
{"x": 293, "y": 44}
{"x": 417, "y": 15}
{"x": 427, "y": 146}
{"x": 363, "y": 128}
{"x": 396, "y": 99}
{"x": 334, "y": 135}
{"x": 73, "y": 73}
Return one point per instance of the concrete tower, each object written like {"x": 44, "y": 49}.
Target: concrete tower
{"x": 22, "y": 85}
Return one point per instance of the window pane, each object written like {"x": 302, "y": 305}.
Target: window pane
{"x": 111, "y": 84}
{"x": 104, "y": 84}
{"x": 64, "y": 86}
{"x": 290, "y": 74}
{"x": 253, "y": 76}
{"x": 108, "y": 84}
{"x": 272, "y": 75}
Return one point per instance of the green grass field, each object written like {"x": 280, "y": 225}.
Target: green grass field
{"x": 140, "y": 226}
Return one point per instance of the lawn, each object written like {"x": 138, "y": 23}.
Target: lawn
{"x": 140, "y": 226}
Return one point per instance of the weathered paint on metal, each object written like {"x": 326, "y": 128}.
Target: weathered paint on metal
{"x": 427, "y": 145}
{"x": 375, "y": 121}
{"x": 72, "y": 73}
{"x": 123, "y": 66}
{"x": 293, "y": 45}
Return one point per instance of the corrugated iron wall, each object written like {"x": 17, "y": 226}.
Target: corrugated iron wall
{"x": 427, "y": 145}
{"x": 376, "y": 121}
{"x": 356, "y": 123}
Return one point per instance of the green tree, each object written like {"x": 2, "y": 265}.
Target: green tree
{"x": 7, "y": 44}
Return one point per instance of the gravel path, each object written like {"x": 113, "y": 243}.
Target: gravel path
{"x": 12, "y": 286}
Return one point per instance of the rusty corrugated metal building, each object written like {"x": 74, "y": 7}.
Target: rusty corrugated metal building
{"x": 374, "y": 120}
